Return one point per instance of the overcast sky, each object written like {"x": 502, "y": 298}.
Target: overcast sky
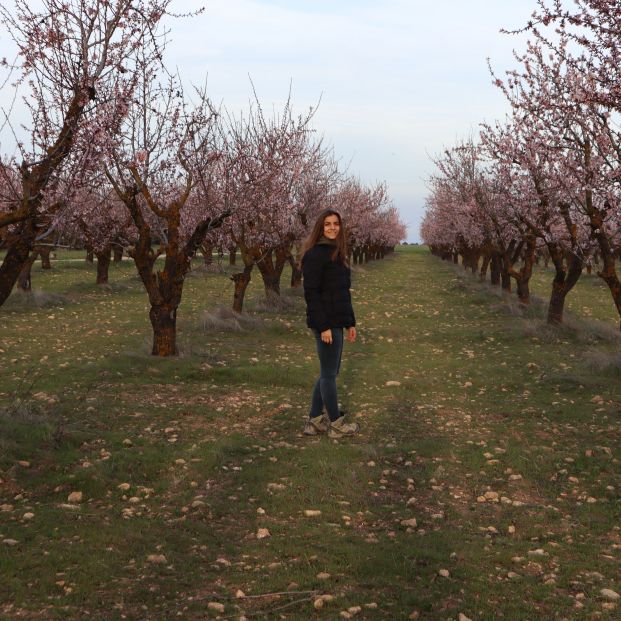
{"x": 398, "y": 79}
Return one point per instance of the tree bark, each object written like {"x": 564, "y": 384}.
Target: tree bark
{"x": 484, "y": 266}
{"x": 523, "y": 276}
{"x": 296, "y": 273}
{"x": 495, "y": 269}
{"x": 563, "y": 283}
{"x": 241, "y": 280}
{"x": 90, "y": 256}
{"x": 164, "y": 322}
{"x": 233, "y": 256}
{"x": 24, "y": 280}
{"x": 103, "y": 265}
{"x": 270, "y": 275}
{"x": 17, "y": 256}
{"x": 44, "y": 253}
{"x": 117, "y": 252}
{"x": 207, "y": 252}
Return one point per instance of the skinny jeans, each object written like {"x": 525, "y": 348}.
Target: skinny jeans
{"x": 324, "y": 392}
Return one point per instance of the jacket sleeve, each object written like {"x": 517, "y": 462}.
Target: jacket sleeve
{"x": 313, "y": 264}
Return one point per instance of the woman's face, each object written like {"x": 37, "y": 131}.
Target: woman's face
{"x": 331, "y": 227}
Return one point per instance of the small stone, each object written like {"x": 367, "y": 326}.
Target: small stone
{"x": 180, "y": 462}
{"x": 23, "y": 463}
{"x": 318, "y": 603}
{"x": 537, "y": 552}
{"x": 511, "y": 530}
{"x": 326, "y": 597}
{"x": 411, "y": 523}
{"x": 157, "y": 559}
{"x": 463, "y": 617}
{"x": 276, "y": 487}
{"x": 123, "y": 487}
{"x": 354, "y": 610}
{"x": 411, "y": 502}
{"x": 513, "y": 575}
{"x": 262, "y": 533}
{"x": 5, "y": 508}
{"x": 312, "y": 512}
{"x": 215, "y": 606}
{"x": 444, "y": 573}
{"x": 371, "y": 463}
{"x": 371, "y": 605}
{"x": 260, "y": 511}
{"x": 393, "y": 383}
{"x": 75, "y": 497}
{"x": 127, "y": 442}
{"x": 28, "y": 516}
{"x": 323, "y": 576}
{"x": 10, "y": 542}
{"x": 613, "y": 596}
{"x": 345, "y": 615}
{"x": 415, "y": 615}
{"x": 491, "y": 496}
{"x": 239, "y": 594}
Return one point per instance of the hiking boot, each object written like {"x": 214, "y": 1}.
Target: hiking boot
{"x": 340, "y": 428}
{"x": 318, "y": 424}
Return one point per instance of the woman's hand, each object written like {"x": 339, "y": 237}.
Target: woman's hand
{"x": 351, "y": 334}
{"x": 326, "y": 336}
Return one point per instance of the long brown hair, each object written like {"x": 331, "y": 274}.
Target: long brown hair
{"x": 340, "y": 250}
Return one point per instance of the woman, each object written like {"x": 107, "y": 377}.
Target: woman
{"x": 327, "y": 281}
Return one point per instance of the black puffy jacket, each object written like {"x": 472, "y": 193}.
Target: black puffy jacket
{"x": 326, "y": 290}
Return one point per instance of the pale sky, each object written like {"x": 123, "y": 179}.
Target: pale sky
{"x": 399, "y": 80}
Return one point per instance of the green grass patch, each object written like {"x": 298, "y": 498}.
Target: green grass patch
{"x": 498, "y": 434}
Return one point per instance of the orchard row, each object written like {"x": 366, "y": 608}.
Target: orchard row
{"x": 118, "y": 157}
{"x": 546, "y": 181}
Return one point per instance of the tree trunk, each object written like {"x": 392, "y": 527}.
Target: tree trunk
{"x": 90, "y": 258}
{"x": 563, "y": 283}
{"x": 495, "y": 270}
{"x": 270, "y": 276}
{"x": 505, "y": 280}
{"x": 233, "y": 256}
{"x": 164, "y": 321}
{"x": 207, "y": 252}
{"x": 241, "y": 280}
{"x": 24, "y": 280}
{"x": 117, "y": 252}
{"x": 296, "y": 273}
{"x": 484, "y": 267}
{"x": 17, "y": 256}
{"x": 103, "y": 265}
{"x": 44, "y": 253}
{"x": 523, "y": 276}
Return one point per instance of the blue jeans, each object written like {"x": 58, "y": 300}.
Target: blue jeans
{"x": 324, "y": 392}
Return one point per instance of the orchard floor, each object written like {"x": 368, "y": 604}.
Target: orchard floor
{"x": 500, "y": 436}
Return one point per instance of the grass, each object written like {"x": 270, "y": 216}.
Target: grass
{"x": 189, "y": 458}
